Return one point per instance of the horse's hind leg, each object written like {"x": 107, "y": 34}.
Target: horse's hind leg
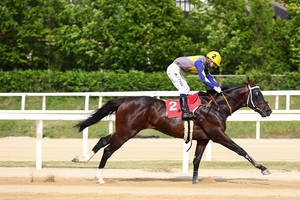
{"x": 101, "y": 143}
{"x": 114, "y": 144}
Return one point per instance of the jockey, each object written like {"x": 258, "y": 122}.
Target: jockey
{"x": 194, "y": 64}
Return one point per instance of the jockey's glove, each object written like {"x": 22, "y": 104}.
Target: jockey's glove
{"x": 218, "y": 89}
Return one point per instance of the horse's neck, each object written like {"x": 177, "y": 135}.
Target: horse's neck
{"x": 234, "y": 99}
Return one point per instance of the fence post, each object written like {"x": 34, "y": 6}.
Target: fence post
{"x": 257, "y": 129}
{"x": 85, "y": 138}
{"x": 185, "y": 159}
{"x": 288, "y": 98}
{"x": 277, "y": 102}
{"x": 44, "y": 103}
{"x": 100, "y": 102}
{"x": 208, "y": 151}
{"x": 110, "y": 125}
{"x": 39, "y": 136}
{"x": 23, "y": 102}
{"x": 87, "y": 101}
{"x": 85, "y": 134}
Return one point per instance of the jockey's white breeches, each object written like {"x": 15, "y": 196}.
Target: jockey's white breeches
{"x": 178, "y": 80}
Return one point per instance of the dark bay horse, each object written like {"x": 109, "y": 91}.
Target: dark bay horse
{"x": 134, "y": 114}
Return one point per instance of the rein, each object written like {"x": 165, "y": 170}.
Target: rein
{"x": 213, "y": 99}
{"x": 249, "y": 102}
{"x": 230, "y": 109}
{"x": 208, "y": 103}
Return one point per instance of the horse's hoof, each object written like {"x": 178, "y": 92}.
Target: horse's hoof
{"x": 76, "y": 159}
{"x": 195, "y": 181}
{"x": 265, "y": 172}
{"x": 101, "y": 181}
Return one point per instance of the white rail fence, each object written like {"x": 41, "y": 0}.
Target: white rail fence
{"x": 44, "y": 114}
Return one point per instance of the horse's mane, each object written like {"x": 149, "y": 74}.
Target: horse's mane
{"x": 224, "y": 88}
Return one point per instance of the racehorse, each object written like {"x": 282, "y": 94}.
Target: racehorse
{"x": 134, "y": 114}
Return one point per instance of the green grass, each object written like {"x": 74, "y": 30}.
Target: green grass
{"x": 64, "y": 129}
{"x": 157, "y": 165}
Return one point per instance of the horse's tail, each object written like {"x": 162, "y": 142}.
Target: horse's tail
{"x": 110, "y": 107}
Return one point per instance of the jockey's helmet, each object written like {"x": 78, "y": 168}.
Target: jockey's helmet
{"x": 215, "y": 57}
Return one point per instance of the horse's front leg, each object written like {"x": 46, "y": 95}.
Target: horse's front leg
{"x": 201, "y": 144}
{"x": 243, "y": 153}
{"x": 230, "y": 144}
{"x": 101, "y": 143}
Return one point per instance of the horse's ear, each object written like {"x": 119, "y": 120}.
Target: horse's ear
{"x": 252, "y": 84}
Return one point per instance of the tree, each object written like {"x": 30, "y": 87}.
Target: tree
{"x": 247, "y": 36}
{"x": 294, "y": 35}
{"x": 278, "y": 49}
{"x": 26, "y": 40}
{"x": 257, "y": 42}
{"x": 78, "y": 37}
{"x": 19, "y": 33}
{"x": 145, "y": 35}
{"x": 221, "y": 25}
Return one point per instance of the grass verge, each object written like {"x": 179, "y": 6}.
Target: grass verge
{"x": 156, "y": 165}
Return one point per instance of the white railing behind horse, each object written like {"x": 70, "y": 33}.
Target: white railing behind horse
{"x": 43, "y": 114}
{"x": 158, "y": 94}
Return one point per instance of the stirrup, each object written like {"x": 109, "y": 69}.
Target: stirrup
{"x": 185, "y": 116}
{"x": 192, "y": 116}
{"x": 188, "y": 116}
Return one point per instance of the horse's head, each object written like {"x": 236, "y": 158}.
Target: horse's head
{"x": 256, "y": 100}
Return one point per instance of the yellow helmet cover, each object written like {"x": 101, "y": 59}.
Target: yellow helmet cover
{"x": 215, "y": 57}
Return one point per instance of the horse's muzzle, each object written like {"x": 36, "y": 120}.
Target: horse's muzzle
{"x": 263, "y": 112}
{"x": 269, "y": 112}
{"x": 266, "y": 113}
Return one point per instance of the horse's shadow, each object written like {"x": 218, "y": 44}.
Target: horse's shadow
{"x": 186, "y": 179}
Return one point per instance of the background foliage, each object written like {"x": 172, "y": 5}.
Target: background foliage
{"x": 120, "y": 80}
{"x": 146, "y": 35}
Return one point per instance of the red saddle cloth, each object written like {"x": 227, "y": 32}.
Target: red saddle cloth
{"x": 174, "y": 109}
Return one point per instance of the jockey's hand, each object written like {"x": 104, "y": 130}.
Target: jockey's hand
{"x": 218, "y": 89}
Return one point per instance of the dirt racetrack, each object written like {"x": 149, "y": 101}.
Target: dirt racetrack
{"x": 78, "y": 183}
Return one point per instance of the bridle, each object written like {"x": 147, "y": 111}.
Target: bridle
{"x": 249, "y": 102}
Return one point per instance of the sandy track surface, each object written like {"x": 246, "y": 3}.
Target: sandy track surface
{"x": 59, "y": 183}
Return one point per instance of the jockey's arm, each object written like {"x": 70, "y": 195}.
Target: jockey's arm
{"x": 202, "y": 74}
{"x": 211, "y": 79}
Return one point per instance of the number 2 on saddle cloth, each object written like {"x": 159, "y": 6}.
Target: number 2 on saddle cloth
{"x": 173, "y": 106}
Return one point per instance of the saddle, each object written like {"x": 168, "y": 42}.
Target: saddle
{"x": 173, "y": 107}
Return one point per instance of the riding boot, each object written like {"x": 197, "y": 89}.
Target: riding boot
{"x": 185, "y": 109}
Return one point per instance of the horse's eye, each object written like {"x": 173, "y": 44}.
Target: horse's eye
{"x": 256, "y": 94}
